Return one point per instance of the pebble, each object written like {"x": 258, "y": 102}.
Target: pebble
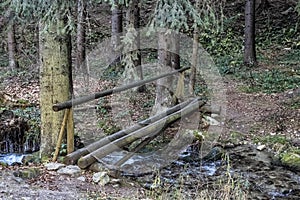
{"x": 261, "y": 147}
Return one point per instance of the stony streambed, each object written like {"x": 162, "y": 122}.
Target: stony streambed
{"x": 244, "y": 173}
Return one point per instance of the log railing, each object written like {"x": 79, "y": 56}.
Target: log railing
{"x": 147, "y": 129}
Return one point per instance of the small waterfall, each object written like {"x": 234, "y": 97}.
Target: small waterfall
{"x": 15, "y": 140}
{"x": 11, "y": 158}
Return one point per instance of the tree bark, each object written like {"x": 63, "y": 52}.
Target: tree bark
{"x": 164, "y": 96}
{"x": 175, "y": 58}
{"x": 194, "y": 63}
{"x": 116, "y": 24}
{"x": 133, "y": 20}
{"x": 12, "y": 46}
{"x": 81, "y": 53}
{"x": 148, "y": 131}
{"x": 55, "y": 81}
{"x": 249, "y": 52}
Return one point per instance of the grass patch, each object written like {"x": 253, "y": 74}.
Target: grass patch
{"x": 276, "y": 139}
{"x": 271, "y": 81}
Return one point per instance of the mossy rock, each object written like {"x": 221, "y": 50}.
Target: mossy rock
{"x": 28, "y": 173}
{"x": 290, "y": 160}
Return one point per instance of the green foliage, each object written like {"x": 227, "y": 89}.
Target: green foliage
{"x": 177, "y": 14}
{"x": 101, "y": 108}
{"x": 286, "y": 37}
{"x": 46, "y": 11}
{"x": 224, "y": 46}
{"x": 290, "y": 58}
{"x": 108, "y": 127}
{"x": 32, "y": 115}
{"x": 149, "y": 104}
{"x": 271, "y": 140}
{"x": 272, "y": 81}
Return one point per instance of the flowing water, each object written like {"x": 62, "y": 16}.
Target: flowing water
{"x": 11, "y": 158}
{"x": 250, "y": 170}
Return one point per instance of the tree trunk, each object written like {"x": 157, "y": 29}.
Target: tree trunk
{"x": 81, "y": 53}
{"x": 116, "y": 25}
{"x": 54, "y": 81}
{"x": 133, "y": 20}
{"x": 164, "y": 91}
{"x": 249, "y": 52}
{"x": 194, "y": 63}
{"x": 12, "y": 46}
{"x": 175, "y": 58}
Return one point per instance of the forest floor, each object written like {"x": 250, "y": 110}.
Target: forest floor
{"x": 252, "y": 119}
{"x": 262, "y": 110}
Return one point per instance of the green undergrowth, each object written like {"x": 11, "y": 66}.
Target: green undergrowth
{"x": 270, "y": 81}
{"x": 32, "y": 115}
{"x": 271, "y": 139}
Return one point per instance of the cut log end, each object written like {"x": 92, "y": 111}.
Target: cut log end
{"x": 86, "y": 161}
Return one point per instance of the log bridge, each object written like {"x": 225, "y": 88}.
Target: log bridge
{"x": 145, "y": 130}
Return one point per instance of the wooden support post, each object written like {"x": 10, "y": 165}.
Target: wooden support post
{"x": 70, "y": 132}
{"x": 60, "y": 136}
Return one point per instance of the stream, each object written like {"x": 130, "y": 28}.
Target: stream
{"x": 245, "y": 169}
{"x": 11, "y": 158}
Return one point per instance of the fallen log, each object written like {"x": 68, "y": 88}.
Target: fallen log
{"x": 97, "y": 95}
{"x": 72, "y": 158}
{"x": 92, "y": 157}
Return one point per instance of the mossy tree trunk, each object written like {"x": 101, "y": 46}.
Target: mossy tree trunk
{"x": 55, "y": 78}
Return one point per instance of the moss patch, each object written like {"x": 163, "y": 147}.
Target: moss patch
{"x": 291, "y": 160}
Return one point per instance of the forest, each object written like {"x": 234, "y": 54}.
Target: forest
{"x": 149, "y": 99}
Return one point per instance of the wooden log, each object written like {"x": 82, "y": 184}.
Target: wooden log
{"x": 207, "y": 109}
{"x": 60, "y": 135}
{"x": 136, "y": 149}
{"x": 84, "y": 99}
{"x": 92, "y": 157}
{"x": 72, "y": 158}
{"x": 70, "y": 132}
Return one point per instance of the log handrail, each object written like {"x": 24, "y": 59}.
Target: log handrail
{"x": 97, "y": 95}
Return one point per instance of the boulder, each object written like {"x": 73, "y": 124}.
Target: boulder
{"x": 54, "y": 166}
{"x": 70, "y": 170}
{"x": 101, "y": 178}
